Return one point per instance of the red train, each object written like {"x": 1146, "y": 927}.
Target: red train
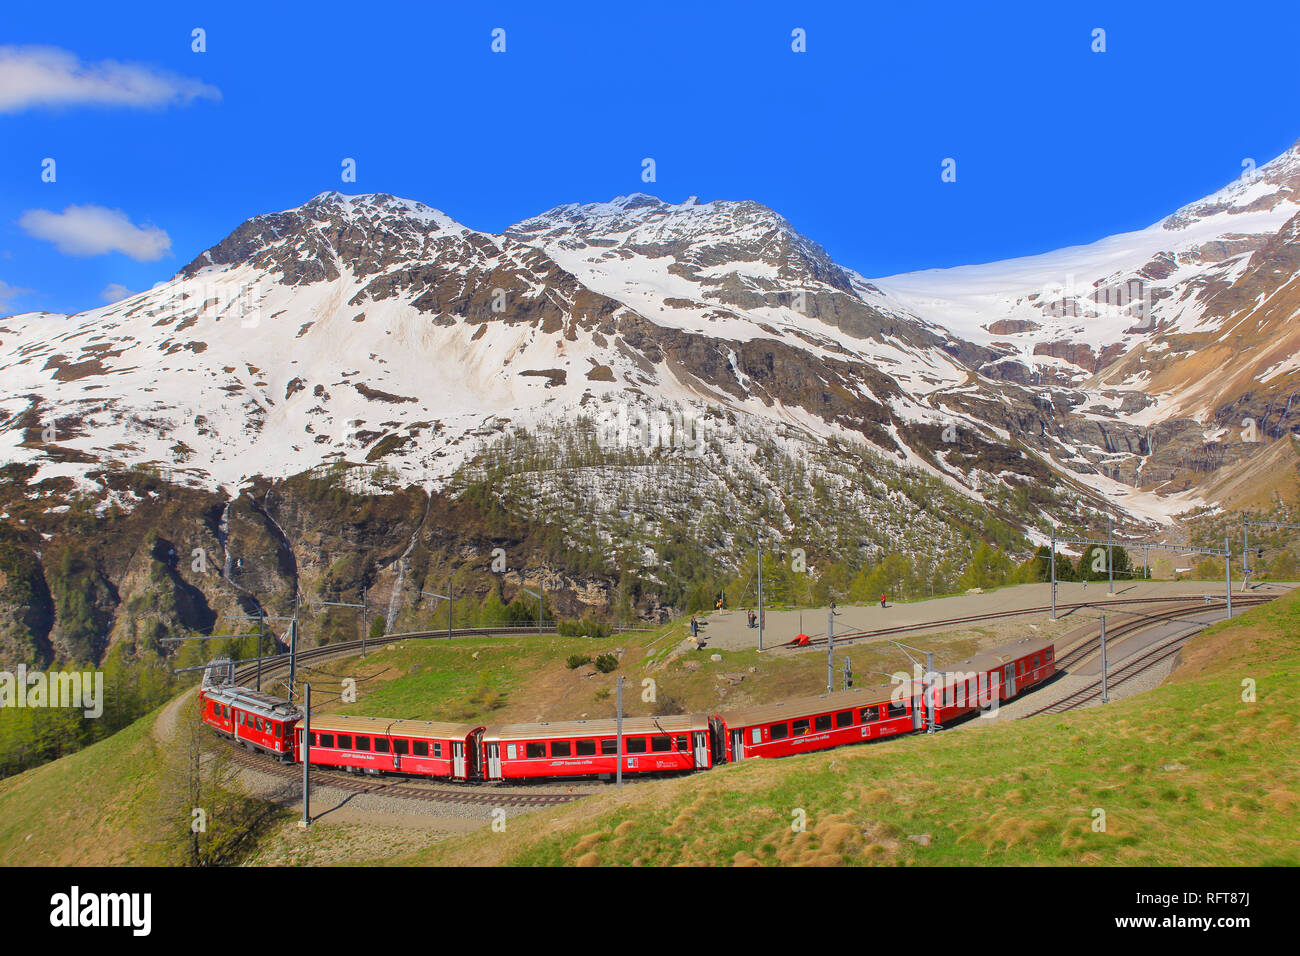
{"x": 651, "y": 745}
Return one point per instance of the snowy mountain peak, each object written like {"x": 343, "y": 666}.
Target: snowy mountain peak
{"x": 331, "y": 232}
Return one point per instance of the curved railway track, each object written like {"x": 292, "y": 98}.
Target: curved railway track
{"x": 1244, "y": 601}
{"x": 394, "y": 785}
{"x": 1138, "y": 623}
{"x": 1133, "y": 667}
{"x": 403, "y": 788}
{"x": 1136, "y": 664}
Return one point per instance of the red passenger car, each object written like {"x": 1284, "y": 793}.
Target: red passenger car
{"x": 992, "y": 676}
{"x": 376, "y": 745}
{"x": 589, "y": 748}
{"x": 815, "y": 723}
{"x": 251, "y": 718}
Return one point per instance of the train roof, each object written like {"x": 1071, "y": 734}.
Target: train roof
{"x": 807, "y": 706}
{"x": 254, "y": 701}
{"x": 677, "y": 723}
{"x": 383, "y": 726}
{"x": 997, "y": 656}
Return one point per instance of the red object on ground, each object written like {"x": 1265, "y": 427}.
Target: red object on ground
{"x": 801, "y": 640}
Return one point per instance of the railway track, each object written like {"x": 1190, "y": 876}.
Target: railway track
{"x": 1135, "y": 665}
{"x": 848, "y": 636}
{"x": 349, "y": 648}
{"x": 395, "y": 786}
{"x": 1084, "y": 648}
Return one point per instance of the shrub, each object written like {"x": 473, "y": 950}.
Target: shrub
{"x": 577, "y": 660}
{"x": 606, "y": 663}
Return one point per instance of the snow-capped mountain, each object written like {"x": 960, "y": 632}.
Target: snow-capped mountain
{"x": 371, "y": 328}
{"x": 1126, "y": 312}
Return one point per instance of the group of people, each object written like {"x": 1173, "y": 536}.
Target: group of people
{"x": 752, "y": 617}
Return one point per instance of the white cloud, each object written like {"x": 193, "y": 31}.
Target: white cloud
{"x": 114, "y": 292}
{"x": 8, "y": 292}
{"x": 35, "y": 76}
{"x": 94, "y": 230}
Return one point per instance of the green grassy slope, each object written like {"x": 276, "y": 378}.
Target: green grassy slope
{"x": 94, "y": 807}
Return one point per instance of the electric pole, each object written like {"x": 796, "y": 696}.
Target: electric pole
{"x": 1053, "y": 572}
{"x": 1105, "y": 695}
{"x": 306, "y": 756}
{"x": 1227, "y": 572}
{"x": 1110, "y": 562}
{"x": 830, "y": 649}
{"x": 619, "y": 773}
{"x": 760, "y": 591}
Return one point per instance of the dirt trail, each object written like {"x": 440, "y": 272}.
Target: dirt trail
{"x": 164, "y": 727}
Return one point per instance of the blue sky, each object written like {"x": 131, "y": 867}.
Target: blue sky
{"x": 1055, "y": 144}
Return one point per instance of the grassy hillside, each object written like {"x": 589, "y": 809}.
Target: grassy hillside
{"x": 1186, "y": 774}
{"x": 128, "y": 800}
{"x": 91, "y": 808}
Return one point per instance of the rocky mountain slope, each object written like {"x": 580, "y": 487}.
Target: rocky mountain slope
{"x": 608, "y": 387}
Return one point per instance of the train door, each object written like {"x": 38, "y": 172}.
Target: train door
{"x": 918, "y": 708}
{"x": 475, "y": 756}
{"x": 493, "y": 761}
{"x": 701, "y": 749}
{"x": 738, "y": 745}
{"x": 1009, "y": 673}
{"x": 458, "y": 759}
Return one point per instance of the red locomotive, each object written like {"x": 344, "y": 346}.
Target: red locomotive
{"x": 252, "y": 719}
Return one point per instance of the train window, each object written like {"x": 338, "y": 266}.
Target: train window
{"x": 780, "y": 731}
{"x": 512, "y": 751}
{"x": 327, "y": 740}
{"x": 609, "y": 746}
{"x": 844, "y": 718}
{"x": 869, "y": 714}
{"x": 312, "y": 741}
{"x": 800, "y": 727}
{"x": 401, "y": 747}
{"x": 561, "y": 748}
{"x": 345, "y": 741}
{"x": 1047, "y": 656}
{"x": 661, "y": 745}
{"x": 683, "y": 744}
{"x": 381, "y": 745}
{"x": 535, "y": 750}
{"x": 421, "y": 748}
{"x": 897, "y": 708}
{"x": 437, "y": 749}
{"x": 587, "y": 748}
{"x": 260, "y": 729}
{"x": 363, "y": 743}
{"x": 822, "y": 722}
{"x": 635, "y": 745}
